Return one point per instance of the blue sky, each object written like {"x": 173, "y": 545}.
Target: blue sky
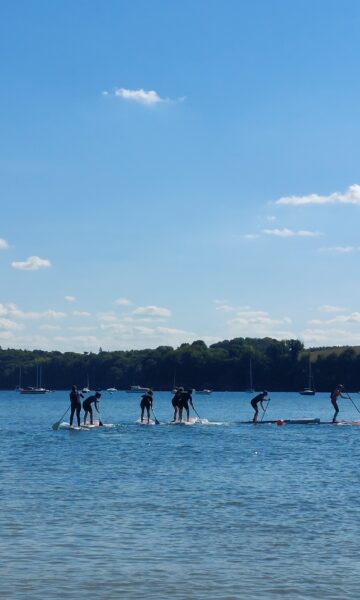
{"x": 173, "y": 171}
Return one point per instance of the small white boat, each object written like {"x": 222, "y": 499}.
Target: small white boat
{"x": 307, "y": 392}
{"x": 111, "y": 389}
{"x": 33, "y": 390}
{"x": 86, "y": 390}
{"x": 203, "y": 392}
{"x": 137, "y": 389}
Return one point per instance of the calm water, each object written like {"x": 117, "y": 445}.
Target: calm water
{"x": 225, "y": 511}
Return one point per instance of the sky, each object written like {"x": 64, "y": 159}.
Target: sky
{"x": 178, "y": 170}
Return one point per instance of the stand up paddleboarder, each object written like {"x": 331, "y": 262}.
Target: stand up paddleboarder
{"x": 335, "y": 394}
{"x": 75, "y": 404}
{"x": 146, "y": 404}
{"x": 254, "y": 403}
{"x": 88, "y": 408}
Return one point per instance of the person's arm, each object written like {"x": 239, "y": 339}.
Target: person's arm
{"x": 262, "y": 406}
{"x": 97, "y": 406}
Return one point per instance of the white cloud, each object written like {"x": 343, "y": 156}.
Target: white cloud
{"x": 351, "y": 196}
{"x": 3, "y": 244}
{"x": 33, "y": 263}
{"x": 340, "y": 249}
{"x": 329, "y": 308}
{"x": 49, "y": 327}
{"x": 10, "y": 325}
{"x": 70, "y": 298}
{"x": 152, "y": 311}
{"x": 352, "y": 318}
{"x": 81, "y": 313}
{"x": 330, "y": 337}
{"x": 285, "y": 233}
{"x": 123, "y": 302}
{"x": 251, "y": 236}
{"x": 12, "y": 310}
{"x": 80, "y": 340}
{"x": 141, "y": 96}
{"x": 6, "y": 335}
{"x": 82, "y": 328}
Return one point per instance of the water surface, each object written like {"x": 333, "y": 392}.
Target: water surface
{"x": 224, "y": 511}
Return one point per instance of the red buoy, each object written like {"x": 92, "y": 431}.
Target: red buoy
{"x": 280, "y": 422}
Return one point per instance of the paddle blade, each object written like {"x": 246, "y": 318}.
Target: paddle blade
{"x": 56, "y": 425}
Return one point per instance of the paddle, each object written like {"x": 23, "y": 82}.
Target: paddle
{"x": 351, "y": 400}
{"x": 196, "y": 412}
{"x": 267, "y": 406}
{"x": 56, "y": 425}
{"x": 156, "y": 421}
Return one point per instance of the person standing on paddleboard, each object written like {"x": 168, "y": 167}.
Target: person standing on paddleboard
{"x": 334, "y": 396}
{"x": 146, "y": 403}
{"x": 185, "y": 398}
{"x": 75, "y": 403}
{"x": 254, "y": 403}
{"x": 88, "y": 408}
{"x": 176, "y": 401}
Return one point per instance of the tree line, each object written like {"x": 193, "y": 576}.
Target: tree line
{"x": 275, "y": 365}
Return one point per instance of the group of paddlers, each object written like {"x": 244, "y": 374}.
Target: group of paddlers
{"x": 180, "y": 402}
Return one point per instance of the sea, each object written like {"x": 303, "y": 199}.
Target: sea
{"x": 218, "y": 510}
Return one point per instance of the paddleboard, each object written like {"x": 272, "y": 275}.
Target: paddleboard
{"x": 283, "y": 422}
{"x": 191, "y": 421}
{"x": 340, "y": 423}
{"x": 145, "y": 422}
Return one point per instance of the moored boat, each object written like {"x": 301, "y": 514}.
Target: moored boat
{"x": 137, "y": 389}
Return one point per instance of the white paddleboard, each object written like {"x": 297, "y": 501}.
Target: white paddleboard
{"x": 145, "y": 422}
{"x": 191, "y": 421}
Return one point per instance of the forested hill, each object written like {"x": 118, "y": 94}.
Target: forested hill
{"x": 276, "y": 365}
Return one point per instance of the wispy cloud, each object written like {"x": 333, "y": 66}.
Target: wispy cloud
{"x": 286, "y": 233}
{"x": 3, "y": 244}
{"x": 70, "y": 298}
{"x": 33, "y": 263}
{"x": 123, "y": 302}
{"x": 153, "y": 311}
{"x": 10, "y": 325}
{"x": 351, "y": 196}
{"x": 340, "y": 249}
{"x": 13, "y": 311}
{"x": 251, "y": 236}
{"x": 329, "y": 308}
{"x": 81, "y": 313}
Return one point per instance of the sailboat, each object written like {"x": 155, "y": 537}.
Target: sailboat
{"x": 250, "y": 389}
{"x": 38, "y": 389}
{"x": 308, "y": 391}
{"x": 86, "y": 390}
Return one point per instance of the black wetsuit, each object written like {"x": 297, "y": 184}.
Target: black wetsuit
{"x": 176, "y": 403}
{"x": 254, "y": 403}
{"x": 146, "y": 403}
{"x": 75, "y": 404}
{"x": 185, "y": 398}
{"x": 88, "y": 408}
